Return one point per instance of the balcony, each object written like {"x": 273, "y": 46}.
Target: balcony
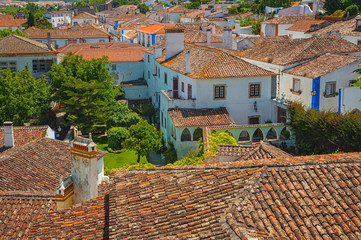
{"x": 177, "y": 101}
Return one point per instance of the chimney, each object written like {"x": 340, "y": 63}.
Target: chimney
{"x": 227, "y": 38}
{"x": 8, "y": 134}
{"x": 209, "y": 33}
{"x": 238, "y": 27}
{"x": 84, "y": 169}
{"x": 174, "y": 42}
{"x": 188, "y": 61}
{"x": 49, "y": 41}
{"x": 207, "y": 12}
{"x": 138, "y": 25}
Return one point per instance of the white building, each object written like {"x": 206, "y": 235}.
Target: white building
{"x": 17, "y": 52}
{"x": 84, "y": 17}
{"x": 59, "y": 18}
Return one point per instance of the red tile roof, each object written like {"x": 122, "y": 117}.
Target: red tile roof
{"x": 306, "y": 25}
{"x": 8, "y": 21}
{"x": 312, "y": 197}
{"x": 85, "y": 15}
{"x": 208, "y": 62}
{"x": 115, "y": 51}
{"x": 87, "y": 31}
{"x": 178, "y": 9}
{"x": 322, "y": 65}
{"x": 23, "y": 135}
{"x": 346, "y": 28}
{"x": 298, "y": 50}
{"x": 155, "y": 28}
{"x": 290, "y": 19}
{"x": 200, "y": 117}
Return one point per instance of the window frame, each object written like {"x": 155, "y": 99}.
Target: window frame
{"x": 219, "y": 95}
{"x": 165, "y": 78}
{"x": 332, "y": 83}
{"x": 293, "y": 84}
{"x": 259, "y": 90}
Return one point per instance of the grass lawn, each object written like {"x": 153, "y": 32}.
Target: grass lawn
{"x": 116, "y": 160}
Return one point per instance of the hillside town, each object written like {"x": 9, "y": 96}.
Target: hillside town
{"x": 187, "y": 119}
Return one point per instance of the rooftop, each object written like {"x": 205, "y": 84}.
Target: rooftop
{"x": 15, "y": 44}
{"x": 290, "y": 19}
{"x": 87, "y": 31}
{"x": 346, "y": 28}
{"x": 178, "y": 9}
{"x": 155, "y": 28}
{"x": 290, "y": 198}
{"x": 115, "y": 51}
{"x": 85, "y": 15}
{"x": 322, "y": 65}
{"x": 200, "y": 117}
{"x": 298, "y": 50}
{"x": 307, "y": 25}
{"x": 9, "y": 21}
{"x": 208, "y": 62}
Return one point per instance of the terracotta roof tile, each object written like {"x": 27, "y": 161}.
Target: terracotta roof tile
{"x": 200, "y": 117}
{"x": 298, "y": 50}
{"x": 322, "y": 65}
{"x": 87, "y": 31}
{"x": 178, "y": 9}
{"x": 306, "y": 25}
{"x": 194, "y": 14}
{"x": 346, "y": 28}
{"x": 85, "y": 15}
{"x": 131, "y": 35}
{"x": 198, "y": 36}
{"x": 15, "y": 44}
{"x": 115, "y": 51}
{"x": 216, "y": 29}
{"x": 155, "y": 28}
{"x": 207, "y": 62}
{"x": 290, "y": 19}
{"x": 7, "y": 21}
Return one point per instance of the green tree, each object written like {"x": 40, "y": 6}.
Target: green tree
{"x": 31, "y": 20}
{"x": 22, "y": 97}
{"x": 143, "y": 138}
{"x": 43, "y": 23}
{"x": 143, "y": 8}
{"x": 233, "y": 10}
{"x": 256, "y": 26}
{"x": 332, "y": 5}
{"x": 219, "y": 138}
{"x": 116, "y": 136}
{"x": 351, "y": 10}
{"x": 6, "y": 32}
{"x": 86, "y": 89}
{"x": 193, "y": 5}
{"x": 122, "y": 116}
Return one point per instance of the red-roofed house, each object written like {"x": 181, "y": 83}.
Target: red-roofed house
{"x": 149, "y": 35}
{"x": 8, "y": 22}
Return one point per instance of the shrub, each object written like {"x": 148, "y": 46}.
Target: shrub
{"x": 130, "y": 166}
{"x": 170, "y": 154}
{"x": 190, "y": 159}
{"x": 219, "y": 138}
{"x": 351, "y": 10}
{"x": 116, "y": 136}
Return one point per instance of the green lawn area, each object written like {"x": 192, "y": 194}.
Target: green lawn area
{"x": 116, "y": 160}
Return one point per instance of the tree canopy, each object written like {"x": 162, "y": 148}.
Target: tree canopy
{"x": 143, "y": 138}
{"x": 22, "y": 97}
{"x": 220, "y": 138}
{"x": 6, "y": 32}
{"x": 85, "y": 88}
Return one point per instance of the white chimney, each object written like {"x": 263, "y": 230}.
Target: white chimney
{"x": 227, "y": 38}
{"x": 209, "y": 33}
{"x": 138, "y": 25}
{"x": 8, "y": 134}
{"x": 188, "y": 61}
{"x": 174, "y": 42}
{"x": 238, "y": 27}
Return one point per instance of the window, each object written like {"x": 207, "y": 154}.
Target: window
{"x": 148, "y": 58}
{"x": 165, "y": 78}
{"x": 330, "y": 89}
{"x": 148, "y": 75}
{"x": 254, "y": 90}
{"x": 114, "y": 67}
{"x": 42, "y": 65}
{"x": 6, "y": 65}
{"x": 253, "y": 120}
{"x": 296, "y": 85}
{"x": 182, "y": 86}
{"x": 219, "y": 92}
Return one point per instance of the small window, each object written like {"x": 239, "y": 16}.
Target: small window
{"x": 253, "y": 120}
{"x": 254, "y": 90}
{"x": 148, "y": 75}
{"x": 296, "y": 85}
{"x": 219, "y": 92}
{"x": 114, "y": 67}
{"x": 182, "y": 86}
{"x": 165, "y": 78}
{"x": 148, "y": 58}
{"x": 330, "y": 89}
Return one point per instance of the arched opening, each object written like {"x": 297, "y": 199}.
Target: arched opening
{"x": 272, "y": 134}
{"x": 186, "y": 135}
{"x": 198, "y": 133}
{"x": 285, "y": 134}
{"x": 257, "y": 135}
{"x": 244, "y": 136}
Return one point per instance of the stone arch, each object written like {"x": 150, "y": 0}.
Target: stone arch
{"x": 197, "y": 134}
{"x": 285, "y": 134}
{"x": 244, "y": 136}
{"x": 186, "y": 135}
{"x": 257, "y": 135}
{"x": 271, "y": 134}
